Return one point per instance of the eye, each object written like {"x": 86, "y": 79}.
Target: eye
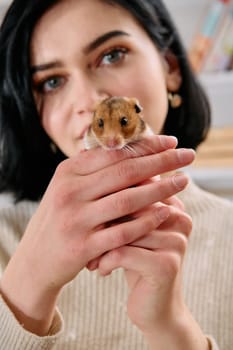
{"x": 101, "y": 123}
{"x": 113, "y": 56}
{"x": 124, "y": 121}
{"x": 50, "y": 84}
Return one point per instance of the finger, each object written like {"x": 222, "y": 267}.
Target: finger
{"x": 134, "y": 199}
{"x": 178, "y": 221}
{"x": 155, "y": 240}
{"x": 153, "y": 210}
{"x": 134, "y": 171}
{"x": 125, "y": 233}
{"x": 87, "y": 162}
{"x": 158, "y": 265}
{"x": 175, "y": 202}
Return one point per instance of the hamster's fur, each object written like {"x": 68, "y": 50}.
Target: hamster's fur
{"x": 117, "y": 121}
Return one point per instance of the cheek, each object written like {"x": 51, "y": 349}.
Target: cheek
{"x": 49, "y": 121}
{"x": 156, "y": 110}
{"x": 152, "y": 95}
{"x": 148, "y": 85}
{"x": 50, "y": 118}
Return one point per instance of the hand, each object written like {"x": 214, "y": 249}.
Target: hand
{"x": 69, "y": 228}
{"x": 153, "y": 268}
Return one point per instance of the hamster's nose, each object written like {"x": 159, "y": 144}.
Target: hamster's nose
{"x": 113, "y": 142}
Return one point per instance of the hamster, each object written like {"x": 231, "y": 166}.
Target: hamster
{"x": 117, "y": 121}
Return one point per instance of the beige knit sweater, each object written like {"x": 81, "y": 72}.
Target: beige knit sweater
{"x": 92, "y": 309}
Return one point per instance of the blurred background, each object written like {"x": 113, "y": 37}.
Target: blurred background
{"x": 206, "y": 27}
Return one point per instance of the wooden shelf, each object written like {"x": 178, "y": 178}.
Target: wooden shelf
{"x": 217, "y": 150}
{"x": 212, "y": 169}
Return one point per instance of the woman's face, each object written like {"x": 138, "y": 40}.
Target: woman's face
{"x": 83, "y": 51}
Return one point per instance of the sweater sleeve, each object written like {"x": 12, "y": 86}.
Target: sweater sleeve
{"x": 14, "y": 337}
{"x": 212, "y": 343}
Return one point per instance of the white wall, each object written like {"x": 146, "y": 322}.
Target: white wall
{"x": 187, "y": 15}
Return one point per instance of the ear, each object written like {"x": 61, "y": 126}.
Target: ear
{"x": 172, "y": 72}
{"x": 138, "y": 108}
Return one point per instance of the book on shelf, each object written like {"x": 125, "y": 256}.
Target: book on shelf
{"x": 212, "y": 45}
{"x": 220, "y": 57}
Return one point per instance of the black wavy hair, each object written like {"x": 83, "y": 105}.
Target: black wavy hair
{"x": 27, "y": 161}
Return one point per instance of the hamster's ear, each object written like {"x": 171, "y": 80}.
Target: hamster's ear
{"x": 172, "y": 71}
{"x": 138, "y": 108}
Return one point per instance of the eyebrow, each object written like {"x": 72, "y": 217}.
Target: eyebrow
{"x": 103, "y": 38}
{"x": 45, "y": 66}
{"x": 89, "y": 48}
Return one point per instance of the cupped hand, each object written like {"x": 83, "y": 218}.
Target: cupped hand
{"x": 69, "y": 228}
{"x": 153, "y": 269}
{"x": 153, "y": 266}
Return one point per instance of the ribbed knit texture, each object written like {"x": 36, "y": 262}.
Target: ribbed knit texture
{"x": 94, "y": 308}
{"x": 208, "y": 268}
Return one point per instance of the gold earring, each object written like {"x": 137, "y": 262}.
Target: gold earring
{"x": 53, "y": 147}
{"x": 175, "y": 100}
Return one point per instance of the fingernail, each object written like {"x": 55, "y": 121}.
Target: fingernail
{"x": 163, "y": 213}
{"x": 168, "y": 141}
{"x": 180, "y": 180}
{"x": 186, "y": 154}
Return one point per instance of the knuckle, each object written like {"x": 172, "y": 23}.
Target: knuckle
{"x": 63, "y": 196}
{"x": 165, "y": 158}
{"x": 117, "y": 255}
{"x": 188, "y": 225}
{"x": 172, "y": 264}
{"x": 181, "y": 244}
{"x": 184, "y": 223}
{"x": 122, "y": 237}
{"x": 153, "y": 220}
{"x": 62, "y": 167}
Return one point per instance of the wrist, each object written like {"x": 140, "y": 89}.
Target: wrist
{"x": 180, "y": 334}
{"x": 32, "y": 304}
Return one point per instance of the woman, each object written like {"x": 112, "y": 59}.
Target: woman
{"x": 58, "y": 59}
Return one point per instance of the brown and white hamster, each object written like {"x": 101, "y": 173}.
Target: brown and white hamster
{"x": 116, "y": 122}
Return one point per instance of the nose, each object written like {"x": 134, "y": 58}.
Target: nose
{"x": 88, "y": 94}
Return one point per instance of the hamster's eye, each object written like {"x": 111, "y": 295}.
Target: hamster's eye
{"x": 101, "y": 123}
{"x": 124, "y": 121}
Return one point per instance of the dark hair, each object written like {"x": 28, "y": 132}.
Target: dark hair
{"x": 27, "y": 161}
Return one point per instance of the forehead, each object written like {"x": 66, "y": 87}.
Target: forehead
{"x": 76, "y": 21}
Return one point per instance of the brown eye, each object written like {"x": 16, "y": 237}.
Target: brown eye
{"x": 100, "y": 123}
{"x": 124, "y": 121}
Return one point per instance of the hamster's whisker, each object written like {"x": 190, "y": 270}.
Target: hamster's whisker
{"x": 131, "y": 150}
